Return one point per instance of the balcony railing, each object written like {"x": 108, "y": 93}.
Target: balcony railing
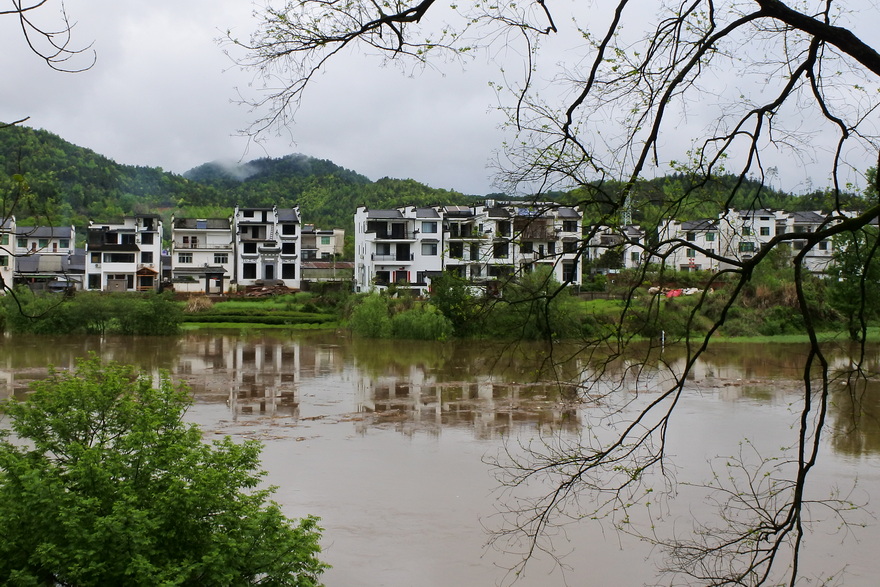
{"x": 180, "y": 245}
{"x": 396, "y": 235}
{"x": 392, "y": 258}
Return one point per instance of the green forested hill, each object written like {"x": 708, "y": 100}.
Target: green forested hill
{"x": 72, "y": 184}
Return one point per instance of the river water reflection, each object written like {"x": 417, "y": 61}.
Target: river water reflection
{"x": 386, "y": 441}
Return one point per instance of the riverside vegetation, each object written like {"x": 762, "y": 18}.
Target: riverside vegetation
{"x": 530, "y": 307}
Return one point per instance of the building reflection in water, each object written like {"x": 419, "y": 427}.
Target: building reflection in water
{"x": 423, "y": 387}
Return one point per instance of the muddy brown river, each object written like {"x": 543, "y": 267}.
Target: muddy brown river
{"x": 391, "y": 444}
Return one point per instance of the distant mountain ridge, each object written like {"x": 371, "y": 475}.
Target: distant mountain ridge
{"x": 72, "y": 184}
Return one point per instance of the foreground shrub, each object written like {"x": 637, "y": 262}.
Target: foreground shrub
{"x": 91, "y": 313}
{"x": 113, "y": 488}
{"x": 371, "y": 317}
{"x": 423, "y": 322}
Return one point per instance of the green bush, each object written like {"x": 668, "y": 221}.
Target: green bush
{"x": 371, "y": 317}
{"x": 113, "y": 487}
{"x": 423, "y": 322}
{"x": 92, "y": 313}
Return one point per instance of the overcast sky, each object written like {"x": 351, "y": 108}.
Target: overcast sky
{"x": 162, "y": 93}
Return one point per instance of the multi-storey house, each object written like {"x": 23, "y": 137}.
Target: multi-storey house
{"x": 744, "y": 232}
{"x": 401, "y": 246}
{"x": 7, "y": 252}
{"x": 321, "y": 245}
{"x": 267, "y": 246}
{"x": 203, "y": 255}
{"x": 45, "y": 257}
{"x": 819, "y": 257}
{"x": 701, "y": 241}
{"x": 125, "y": 256}
{"x": 465, "y": 235}
{"x": 479, "y": 243}
{"x": 610, "y": 249}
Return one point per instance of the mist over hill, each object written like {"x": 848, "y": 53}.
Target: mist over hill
{"x": 67, "y": 183}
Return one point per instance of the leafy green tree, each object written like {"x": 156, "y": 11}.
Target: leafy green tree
{"x": 111, "y": 487}
{"x": 855, "y": 272}
{"x": 452, "y": 296}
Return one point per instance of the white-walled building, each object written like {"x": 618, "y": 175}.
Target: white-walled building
{"x": 7, "y": 252}
{"x": 613, "y": 249}
{"x": 739, "y": 234}
{"x": 44, "y": 257}
{"x": 267, "y": 246}
{"x": 409, "y": 245}
{"x": 125, "y": 256}
{"x": 321, "y": 245}
{"x": 202, "y": 255}
{"x": 702, "y": 240}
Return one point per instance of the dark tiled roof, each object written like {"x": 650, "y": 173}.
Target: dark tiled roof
{"x": 288, "y": 215}
{"x": 807, "y": 218}
{"x": 704, "y": 224}
{"x": 202, "y": 223}
{"x": 384, "y": 214}
{"x": 44, "y": 231}
{"x": 426, "y": 213}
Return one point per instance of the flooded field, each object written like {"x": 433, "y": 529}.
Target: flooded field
{"x": 391, "y": 444}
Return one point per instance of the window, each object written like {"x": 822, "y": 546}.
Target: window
{"x": 429, "y": 227}
{"x": 527, "y": 247}
{"x": 823, "y": 245}
{"x": 288, "y": 248}
{"x": 691, "y": 237}
{"x": 4, "y": 240}
{"x": 119, "y": 257}
{"x": 551, "y": 248}
{"x": 569, "y": 247}
{"x": 456, "y": 250}
{"x": 383, "y": 249}
{"x": 250, "y": 248}
{"x": 747, "y": 231}
{"x": 710, "y": 237}
{"x": 634, "y": 256}
{"x": 429, "y": 249}
{"x": 288, "y": 271}
{"x": 22, "y": 243}
{"x": 249, "y": 270}
{"x": 146, "y": 257}
{"x": 44, "y": 242}
{"x": 94, "y": 281}
{"x": 4, "y": 260}
{"x": 690, "y": 253}
{"x": 325, "y": 240}
{"x": 184, "y": 258}
{"x": 247, "y": 213}
{"x": 288, "y": 229}
{"x": 221, "y": 258}
{"x": 503, "y": 228}
{"x": 746, "y": 247}
{"x": 147, "y": 239}
{"x": 96, "y": 257}
{"x": 798, "y": 245}
{"x": 128, "y": 239}
{"x": 569, "y": 225}
{"x": 500, "y": 250}
{"x": 65, "y": 243}
{"x": 765, "y": 231}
